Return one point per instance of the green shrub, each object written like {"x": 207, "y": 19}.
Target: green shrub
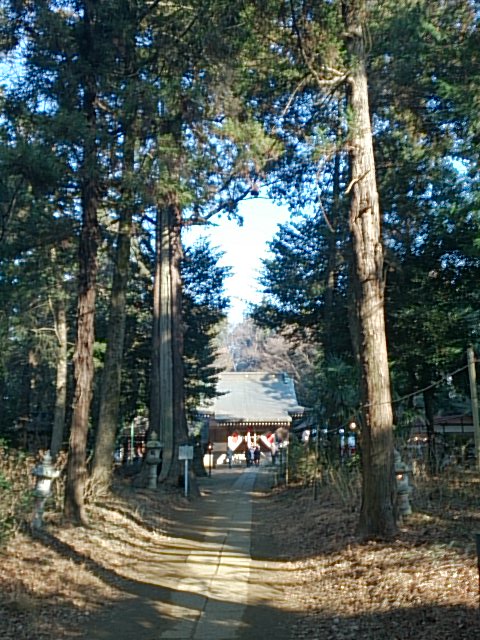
{"x": 16, "y": 490}
{"x": 301, "y": 462}
{"x": 344, "y": 479}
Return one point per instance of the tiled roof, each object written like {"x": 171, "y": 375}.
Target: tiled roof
{"x": 254, "y": 397}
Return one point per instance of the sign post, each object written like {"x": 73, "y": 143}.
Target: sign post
{"x": 185, "y": 452}
{"x": 477, "y": 541}
{"x": 474, "y": 401}
{"x": 210, "y": 457}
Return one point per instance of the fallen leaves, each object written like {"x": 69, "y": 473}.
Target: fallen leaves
{"x": 422, "y": 585}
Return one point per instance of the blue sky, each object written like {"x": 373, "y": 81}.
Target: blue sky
{"x": 244, "y": 248}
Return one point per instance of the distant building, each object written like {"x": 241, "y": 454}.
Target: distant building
{"x": 460, "y": 425}
{"x": 252, "y": 407}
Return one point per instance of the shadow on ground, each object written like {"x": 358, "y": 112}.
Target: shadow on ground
{"x": 140, "y": 611}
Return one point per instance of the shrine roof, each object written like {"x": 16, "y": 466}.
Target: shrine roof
{"x": 253, "y": 397}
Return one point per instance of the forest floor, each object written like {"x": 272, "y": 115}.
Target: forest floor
{"x": 423, "y": 584}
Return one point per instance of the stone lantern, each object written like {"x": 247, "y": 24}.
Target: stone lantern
{"x": 45, "y": 474}
{"x": 403, "y": 486}
{"x": 154, "y": 448}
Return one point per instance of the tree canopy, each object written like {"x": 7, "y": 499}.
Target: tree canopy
{"x": 124, "y": 122}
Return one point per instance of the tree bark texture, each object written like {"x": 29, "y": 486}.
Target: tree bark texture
{"x": 60, "y": 320}
{"x": 165, "y": 346}
{"x": 112, "y": 373}
{"x": 377, "y": 517}
{"x": 167, "y": 405}
{"x": 155, "y": 357}
{"x": 87, "y": 276}
{"x": 179, "y": 418}
{"x": 83, "y": 361}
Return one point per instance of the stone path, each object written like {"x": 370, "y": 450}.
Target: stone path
{"x": 202, "y": 582}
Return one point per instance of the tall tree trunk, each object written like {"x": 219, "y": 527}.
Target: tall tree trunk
{"x": 428, "y": 399}
{"x": 180, "y": 422}
{"x": 83, "y": 361}
{"x": 167, "y": 405}
{"x": 163, "y": 348}
{"x": 377, "y": 516}
{"x": 83, "y": 356}
{"x": 154, "y": 424}
{"x": 111, "y": 379}
{"x": 60, "y": 320}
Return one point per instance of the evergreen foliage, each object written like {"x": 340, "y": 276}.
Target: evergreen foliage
{"x": 115, "y": 112}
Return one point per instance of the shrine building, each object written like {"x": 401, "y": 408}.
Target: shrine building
{"x": 252, "y": 407}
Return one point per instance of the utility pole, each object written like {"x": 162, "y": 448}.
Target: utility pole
{"x": 474, "y": 400}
